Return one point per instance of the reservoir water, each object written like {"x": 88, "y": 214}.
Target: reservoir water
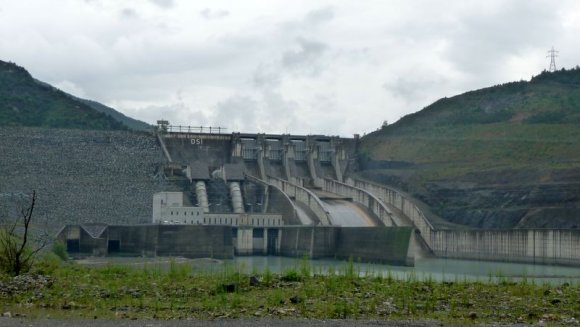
{"x": 435, "y": 268}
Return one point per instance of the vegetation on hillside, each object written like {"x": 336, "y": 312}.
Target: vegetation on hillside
{"x": 509, "y": 125}
{"x": 26, "y": 102}
{"x": 73, "y": 291}
{"x": 549, "y": 98}
{"x": 507, "y": 137}
{"x": 133, "y": 124}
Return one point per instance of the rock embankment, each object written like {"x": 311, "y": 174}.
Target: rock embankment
{"x": 82, "y": 176}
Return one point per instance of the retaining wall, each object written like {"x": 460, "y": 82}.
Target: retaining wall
{"x": 312, "y": 242}
{"x": 304, "y": 196}
{"x": 368, "y": 244}
{"x": 543, "y": 246}
{"x": 278, "y": 201}
{"x": 366, "y": 199}
{"x": 385, "y": 245}
{"x": 190, "y": 241}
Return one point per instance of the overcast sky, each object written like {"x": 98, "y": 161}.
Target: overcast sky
{"x": 328, "y": 67}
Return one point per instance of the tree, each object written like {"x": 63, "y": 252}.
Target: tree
{"x": 17, "y": 251}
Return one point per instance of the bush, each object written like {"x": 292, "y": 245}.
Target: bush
{"x": 13, "y": 259}
{"x": 59, "y": 249}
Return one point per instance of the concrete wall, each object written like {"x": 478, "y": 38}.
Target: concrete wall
{"x": 152, "y": 239}
{"x": 384, "y": 245}
{"x": 367, "y": 199}
{"x": 163, "y": 200}
{"x": 402, "y": 203}
{"x": 184, "y": 148}
{"x": 134, "y": 239}
{"x": 278, "y": 201}
{"x": 195, "y": 241}
{"x": 543, "y": 246}
{"x": 305, "y": 196}
{"x": 312, "y": 242}
{"x": 87, "y": 244}
{"x": 367, "y": 244}
{"x": 258, "y": 220}
{"x": 377, "y": 244}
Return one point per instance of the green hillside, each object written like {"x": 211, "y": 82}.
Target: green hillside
{"x": 500, "y": 157}
{"x": 133, "y": 124}
{"x": 26, "y": 102}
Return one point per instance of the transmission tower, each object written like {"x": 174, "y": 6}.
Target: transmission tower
{"x": 552, "y": 54}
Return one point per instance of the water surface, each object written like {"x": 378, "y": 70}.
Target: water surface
{"x": 435, "y": 268}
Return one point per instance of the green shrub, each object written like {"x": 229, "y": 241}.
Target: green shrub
{"x": 59, "y": 249}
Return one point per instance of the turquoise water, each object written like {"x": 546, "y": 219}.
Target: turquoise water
{"x": 434, "y": 268}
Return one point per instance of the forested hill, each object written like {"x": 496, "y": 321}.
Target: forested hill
{"x": 24, "y": 101}
{"x": 551, "y": 98}
{"x": 500, "y": 157}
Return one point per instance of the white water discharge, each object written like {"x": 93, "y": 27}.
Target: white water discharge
{"x": 348, "y": 214}
{"x": 237, "y": 200}
{"x": 201, "y": 194}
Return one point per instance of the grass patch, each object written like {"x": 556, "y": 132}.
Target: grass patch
{"x": 148, "y": 292}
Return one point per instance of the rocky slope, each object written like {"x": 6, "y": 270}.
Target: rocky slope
{"x": 503, "y": 157}
{"x": 82, "y": 176}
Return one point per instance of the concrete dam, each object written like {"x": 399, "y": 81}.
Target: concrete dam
{"x": 248, "y": 194}
{"x": 295, "y": 195}
{"x": 231, "y": 171}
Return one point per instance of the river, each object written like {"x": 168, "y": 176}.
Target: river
{"x": 434, "y": 268}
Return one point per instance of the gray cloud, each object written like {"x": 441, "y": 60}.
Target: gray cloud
{"x": 284, "y": 66}
{"x": 310, "y": 22}
{"x": 282, "y": 114}
{"x": 236, "y": 112}
{"x": 413, "y": 88}
{"x": 319, "y": 16}
{"x": 489, "y": 37}
{"x": 163, "y": 3}
{"x": 129, "y": 13}
{"x": 175, "y": 113}
{"x": 265, "y": 76}
{"x": 307, "y": 58}
{"x": 208, "y": 13}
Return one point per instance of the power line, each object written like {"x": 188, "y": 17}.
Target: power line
{"x": 552, "y": 54}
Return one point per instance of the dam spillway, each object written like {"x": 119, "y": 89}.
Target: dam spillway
{"x": 303, "y": 167}
{"x": 347, "y": 214}
{"x": 122, "y": 192}
{"x": 300, "y": 160}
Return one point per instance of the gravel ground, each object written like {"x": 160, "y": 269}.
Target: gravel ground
{"x": 20, "y": 322}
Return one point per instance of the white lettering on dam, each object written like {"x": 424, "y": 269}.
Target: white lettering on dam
{"x": 197, "y": 141}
